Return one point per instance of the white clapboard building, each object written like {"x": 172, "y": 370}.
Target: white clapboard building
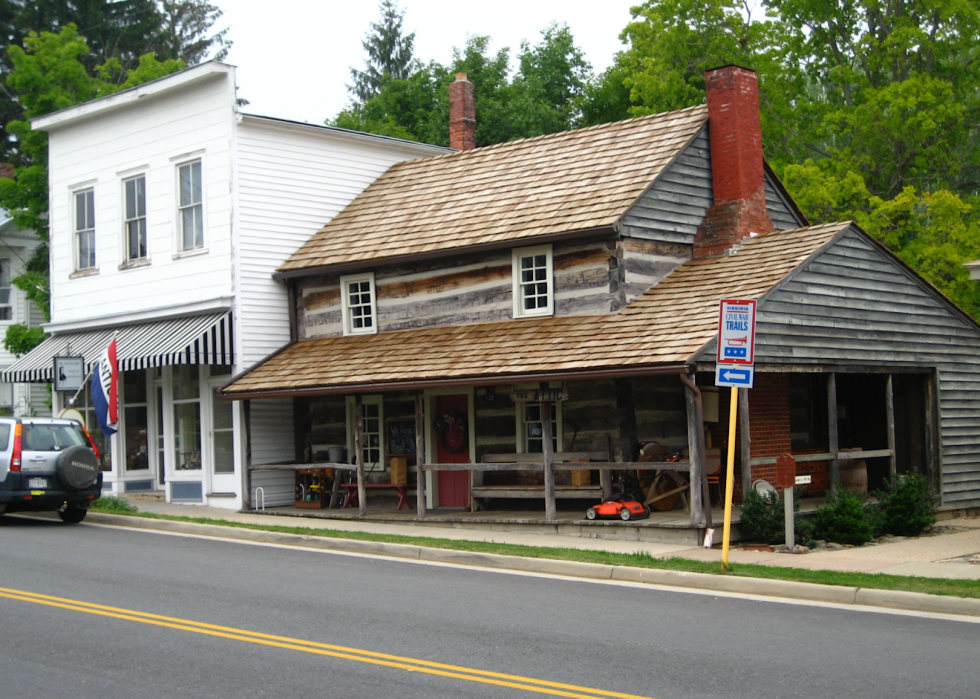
{"x": 170, "y": 209}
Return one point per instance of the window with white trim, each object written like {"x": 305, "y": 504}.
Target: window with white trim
{"x": 190, "y": 205}
{"x": 533, "y": 282}
{"x": 530, "y": 427}
{"x": 6, "y": 303}
{"x": 372, "y": 431}
{"x": 358, "y": 307}
{"x": 134, "y": 199}
{"x": 85, "y": 229}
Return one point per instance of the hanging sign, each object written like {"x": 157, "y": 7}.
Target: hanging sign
{"x": 736, "y": 332}
{"x": 69, "y": 373}
{"x": 550, "y": 395}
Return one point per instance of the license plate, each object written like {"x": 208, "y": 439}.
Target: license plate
{"x": 37, "y": 483}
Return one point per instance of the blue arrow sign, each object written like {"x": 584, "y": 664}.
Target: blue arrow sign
{"x": 737, "y": 376}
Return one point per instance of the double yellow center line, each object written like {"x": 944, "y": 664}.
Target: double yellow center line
{"x": 362, "y": 656}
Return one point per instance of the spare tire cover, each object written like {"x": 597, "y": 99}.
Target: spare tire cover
{"x": 78, "y": 468}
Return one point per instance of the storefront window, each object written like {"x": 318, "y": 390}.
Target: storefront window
{"x": 135, "y": 418}
{"x": 223, "y": 429}
{"x": 187, "y": 418}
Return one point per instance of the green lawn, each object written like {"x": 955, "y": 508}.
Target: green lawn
{"x": 933, "y": 586}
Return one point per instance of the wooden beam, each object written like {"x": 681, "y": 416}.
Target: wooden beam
{"x": 862, "y": 454}
{"x": 550, "y": 512}
{"x": 932, "y": 430}
{"x": 890, "y": 422}
{"x": 539, "y": 458}
{"x": 745, "y": 451}
{"x": 694, "y": 426}
{"x": 605, "y": 477}
{"x": 420, "y": 477}
{"x": 359, "y": 450}
{"x": 832, "y": 428}
{"x": 538, "y": 467}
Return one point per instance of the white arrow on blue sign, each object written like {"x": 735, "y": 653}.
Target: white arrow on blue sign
{"x": 737, "y": 376}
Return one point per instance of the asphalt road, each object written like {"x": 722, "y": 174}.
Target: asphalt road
{"x": 102, "y": 612}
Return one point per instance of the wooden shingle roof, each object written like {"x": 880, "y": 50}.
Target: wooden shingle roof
{"x": 667, "y": 326}
{"x": 570, "y": 181}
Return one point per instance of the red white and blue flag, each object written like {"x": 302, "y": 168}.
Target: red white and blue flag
{"x": 105, "y": 384}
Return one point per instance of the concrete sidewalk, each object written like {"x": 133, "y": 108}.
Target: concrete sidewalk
{"x": 954, "y": 553}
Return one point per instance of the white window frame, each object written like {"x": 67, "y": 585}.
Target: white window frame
{"x": 520, "y": 254}
{"x": 181, "y": 207}
{"x": 6, "y": 307}
{"x": 128, "y": 258}
{"x": 519, "y": 408}
{"x": 77, "y": 231}
{"x": 347, "y": 308}
{"x": 375, "y": 400}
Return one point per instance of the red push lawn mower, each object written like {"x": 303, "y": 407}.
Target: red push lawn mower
{"x": 626, "y": 506}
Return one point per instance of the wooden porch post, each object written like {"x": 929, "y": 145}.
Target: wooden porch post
{"x": 419, "y": 453}
{"x": 247, "y": 466}
{"x": 932, "y": 430}
{"x": 695, "y": 433}
{"x": 745, "y": 451}
{"x": 549, "y": 458}
{"x": 359, "y": 450}
{"x": 605, "y": 476}
{"x": 890, "y": 421}
{"x": 832, "y": 428}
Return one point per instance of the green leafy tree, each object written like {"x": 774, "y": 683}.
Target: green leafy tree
{"x": 185, "y": 32}
{"x": 49, "y": 73}
{"x": 389, "y": 52}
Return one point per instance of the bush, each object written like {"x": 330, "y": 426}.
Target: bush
{"x": 112, "y": 503}
{"x": 764, "y": 518}
{"x": 843, "y": 520}
{"x": 908, "y": 504}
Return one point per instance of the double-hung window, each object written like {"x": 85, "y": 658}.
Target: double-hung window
{"x": 358, "y": 308}
{"x": 533, "y": 282}
{"x": 530, "y": 426}
{"x": 85, "y": 229}
{"x": 135, "y": 221}
{"x": 190, "y": 205}
{"x": 6, "y": 307}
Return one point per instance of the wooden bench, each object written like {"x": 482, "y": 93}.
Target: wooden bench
{"x": 563, "y": 461}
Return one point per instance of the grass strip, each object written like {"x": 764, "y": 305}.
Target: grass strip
{"x": 877, "y": 581}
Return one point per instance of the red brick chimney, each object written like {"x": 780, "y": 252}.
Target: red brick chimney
{"x": 737, "y": 174}
{"x": 462, "y": 114}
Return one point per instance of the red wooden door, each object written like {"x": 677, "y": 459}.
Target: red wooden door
{"x": 452, "y": 434}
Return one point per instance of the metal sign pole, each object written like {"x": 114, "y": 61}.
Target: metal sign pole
{"x": 729, "y": 480}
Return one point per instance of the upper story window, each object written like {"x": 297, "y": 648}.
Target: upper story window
{"x": 135, "y": 221}
{"x": 533, "y": 285}
{"x": 359, "y": 311}
{"x": 6, "y": 307}
{"x": 85, "y": 229}
{"x": 190, "y": 205}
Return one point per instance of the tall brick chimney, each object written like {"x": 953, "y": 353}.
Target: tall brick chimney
{"x": 462, "y": 113}
{"x": 737, "y": 173}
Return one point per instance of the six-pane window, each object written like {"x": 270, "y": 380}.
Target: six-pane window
{"x": 85, "y": 228}
{"x": 136, "y": 218}
{"x": 191, "y": 206}
{"x": 532, "y": 282}
{"x": 6, "y": 309}
{"x": 358, "y": 308}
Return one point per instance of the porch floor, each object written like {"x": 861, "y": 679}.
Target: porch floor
{"x": 672, "y": 527}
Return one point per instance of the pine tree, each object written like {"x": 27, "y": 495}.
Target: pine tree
{"x": 184, "y": 34}
{"x": 389, "y": 54}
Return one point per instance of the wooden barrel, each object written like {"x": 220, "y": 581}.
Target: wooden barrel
{"x": 854, "y": 475}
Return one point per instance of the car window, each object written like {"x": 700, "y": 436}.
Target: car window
{"x": 52, "y": 437}
{"x": 4, "y": 435}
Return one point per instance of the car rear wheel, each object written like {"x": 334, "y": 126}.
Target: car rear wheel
{"x": 72, "y": 514}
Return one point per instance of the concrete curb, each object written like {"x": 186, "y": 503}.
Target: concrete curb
{"x": 911, "y": 601}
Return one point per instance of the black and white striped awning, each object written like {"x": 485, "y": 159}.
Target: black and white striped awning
{"x": 201, "y": 339}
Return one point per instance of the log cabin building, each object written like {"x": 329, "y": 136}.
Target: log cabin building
{"x": 518, "y": 310}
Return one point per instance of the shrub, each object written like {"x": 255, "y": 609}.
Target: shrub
{"x": 112, "y": 503}
{"x": 843, "y": 520}
{"x": 764, "y": 518}
{"x": 908, "y": 505}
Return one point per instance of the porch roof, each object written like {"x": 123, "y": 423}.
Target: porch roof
{"x": 663, "y": 330}
{"x": 561, "y": 183}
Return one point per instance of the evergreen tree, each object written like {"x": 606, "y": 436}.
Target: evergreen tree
{"x": 184, "y": 32}
{"x": 389, "y": 54}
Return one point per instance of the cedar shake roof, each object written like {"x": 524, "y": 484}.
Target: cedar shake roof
{"x": 559, "y": 183}
{"x": 667, "y": 326}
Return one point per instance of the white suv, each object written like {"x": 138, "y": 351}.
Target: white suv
{"x": 48, "y": 464}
